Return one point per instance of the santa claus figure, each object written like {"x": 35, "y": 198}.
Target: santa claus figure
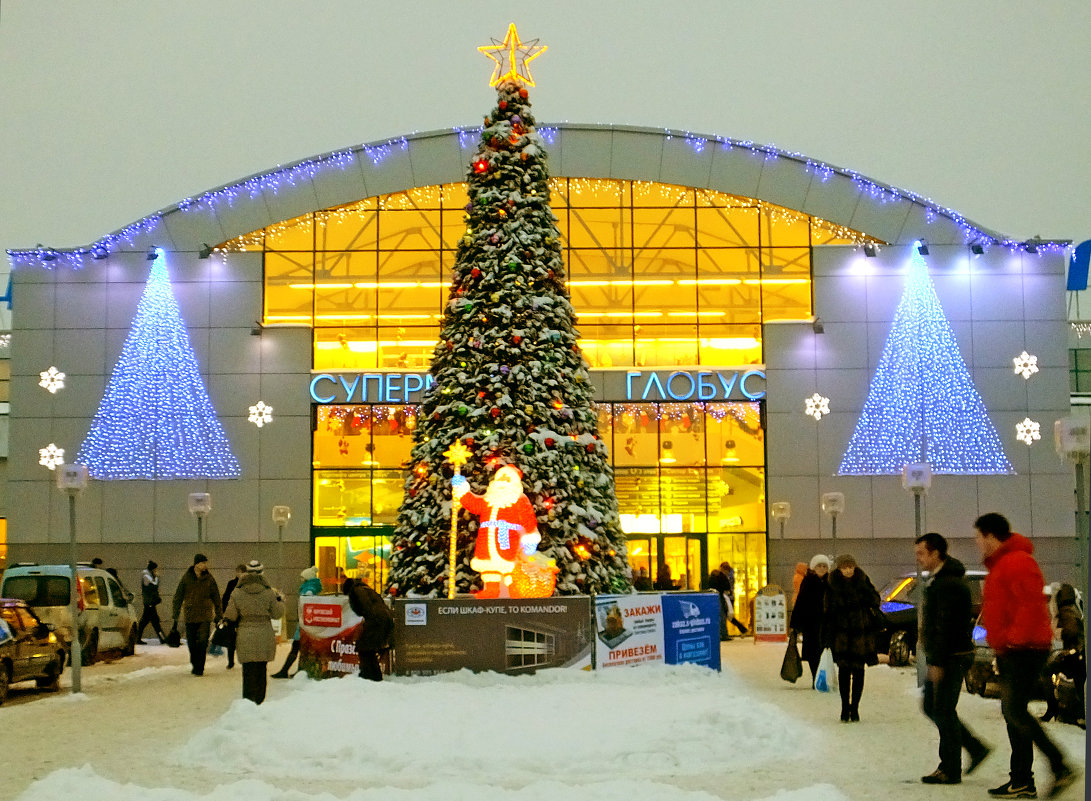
{"x": 508, "y": 526}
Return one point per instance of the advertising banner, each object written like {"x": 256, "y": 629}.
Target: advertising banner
{"x": 770, "y": 615}
{"x": 691, "y": 628}
{"x": 628, "y": 630}
{"x": 328, "y": 629}
{"x": 518, "y": 635}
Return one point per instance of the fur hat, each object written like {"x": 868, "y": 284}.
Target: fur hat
{"x": 254, "y": 566}
{"x": 820, "y": 559}
{"x": 199, "y": 557}
{"x": 310, "y": 573}
{"x": 846, "y": 560}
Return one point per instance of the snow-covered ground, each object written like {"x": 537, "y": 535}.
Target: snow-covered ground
{"x": 146, "y": 730}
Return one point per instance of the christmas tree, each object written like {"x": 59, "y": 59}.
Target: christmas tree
{"x": 922, "y": 405}
{"x": 155, "y": 420}
{"x": 511, "y": 384}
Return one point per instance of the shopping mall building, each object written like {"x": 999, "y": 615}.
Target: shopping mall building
{"x": 734, "y": 302}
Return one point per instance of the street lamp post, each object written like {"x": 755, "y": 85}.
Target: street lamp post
{"x": 72, "y": 478}
{"x": 200, "y": 504}
{"x": 833, "y": 504}
{"x": 917, "y": 478}
{"x": 1072, "y": 441}
{"x": 281, "y": 516}
{"x": 781, "y": 511}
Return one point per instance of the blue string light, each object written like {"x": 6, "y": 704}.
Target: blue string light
{"x": 155, "y": 420}
{"x": 922, "y": 405}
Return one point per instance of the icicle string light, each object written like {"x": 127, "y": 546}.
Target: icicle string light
{"x": 922, "y": 405}
{"x": 377, "y": 152}
{"x": 155, "y": 420}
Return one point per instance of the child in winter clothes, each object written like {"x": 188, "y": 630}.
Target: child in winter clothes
{"x": 311, "y": 585}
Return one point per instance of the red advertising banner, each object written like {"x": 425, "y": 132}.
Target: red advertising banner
{"x": 327, "y": 636}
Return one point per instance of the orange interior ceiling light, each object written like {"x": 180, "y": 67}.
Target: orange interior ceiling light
{"x": 512, "y": 57}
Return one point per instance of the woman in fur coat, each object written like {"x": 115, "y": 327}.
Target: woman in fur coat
{"x": 849, "y": 625}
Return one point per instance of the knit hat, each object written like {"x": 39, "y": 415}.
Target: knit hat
{"x": 199, "y": 557}
{"x": 152, "y": 565}
{"x": 820, "y": 559}
{"x": 254, "y": 566}
{"x": 845, "y": 560}
{"x": 310, "y": 573}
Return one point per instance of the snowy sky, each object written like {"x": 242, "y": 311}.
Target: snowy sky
{"x": 110, "y": 111}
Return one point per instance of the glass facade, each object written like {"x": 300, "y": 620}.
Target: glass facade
{"x": 660, "y": 276}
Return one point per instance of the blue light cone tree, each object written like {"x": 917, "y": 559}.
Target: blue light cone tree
{"x": 155, "y": 420}
{"x": 922, "y": 405}
{"x": 511, "y": 384}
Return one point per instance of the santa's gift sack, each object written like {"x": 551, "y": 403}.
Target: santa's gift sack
{"x": 792, "y": 666}
{"x": 534, "y": 576}
{"x": 825, "y": 680}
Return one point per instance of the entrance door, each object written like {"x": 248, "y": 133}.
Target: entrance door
{"x": 681, "y": 559}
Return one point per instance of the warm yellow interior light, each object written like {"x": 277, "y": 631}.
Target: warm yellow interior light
{"x": 730, "y": 343}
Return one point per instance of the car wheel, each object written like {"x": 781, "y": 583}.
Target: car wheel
{"x": 899, "y": 649}
{"x": 48, "y": 681}
{"x": 5, "y": 680}
{"x": 90, "y": 651}
{"x": 130, "y": 644}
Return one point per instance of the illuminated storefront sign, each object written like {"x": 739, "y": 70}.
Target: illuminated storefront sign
{"x": 610, "y": 385}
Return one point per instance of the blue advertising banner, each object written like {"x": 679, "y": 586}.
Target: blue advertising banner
{"x": 691, "y": 628}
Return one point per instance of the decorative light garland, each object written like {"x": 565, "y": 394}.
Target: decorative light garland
{"x": 155, "y": 420}
{"x": 922, "y": 405}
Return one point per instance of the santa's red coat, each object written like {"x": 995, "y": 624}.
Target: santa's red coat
{"x": 520, "y": 516}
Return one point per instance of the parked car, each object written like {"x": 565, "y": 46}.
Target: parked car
{"x": 898, "y": 602}
{"x": 29, "y": 649}
{"x": 107, "y": 617}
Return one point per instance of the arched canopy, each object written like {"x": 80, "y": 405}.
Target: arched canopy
{"x": 742, "y": 168}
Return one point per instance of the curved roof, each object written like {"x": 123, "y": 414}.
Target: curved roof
{"x": 731, "y": 166}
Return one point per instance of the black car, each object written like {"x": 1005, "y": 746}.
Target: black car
{"x": 898, "y": 602}
{"x": 29, "y": 649}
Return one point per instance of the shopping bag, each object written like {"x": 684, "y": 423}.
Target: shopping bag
{"x": 825, "y": 681}
{"x": 792, "y": 666}
{"x": 223, "y": 635}
{"x": 174, "y": 639}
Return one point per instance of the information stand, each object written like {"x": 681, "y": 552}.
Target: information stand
{"x": 770, "y": 615}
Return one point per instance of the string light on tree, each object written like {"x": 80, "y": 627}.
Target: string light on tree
{"x": 922, "y": 405}
{"x": 260, "y": 414}
{"x": 155, "y": 420}
{"x": 1028, "y": 431}
{"x": 1025, "y": 365}
{"x": 51, "y": 456}
{"x": 52, "y": 380}
{"x": 816, "y": 406}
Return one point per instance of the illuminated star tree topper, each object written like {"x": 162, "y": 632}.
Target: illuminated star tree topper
{"x": 922, "y": 405}
{"x": 155, "y": 420}
{"x": 512, "y": 57}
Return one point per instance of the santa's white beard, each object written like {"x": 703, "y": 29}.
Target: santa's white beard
{"x": 502, "y": 494}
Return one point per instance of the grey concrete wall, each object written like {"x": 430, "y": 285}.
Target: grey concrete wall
{"x": 998, "y": 305}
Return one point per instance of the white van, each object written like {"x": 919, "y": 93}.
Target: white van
{"x": 107, "y": 617}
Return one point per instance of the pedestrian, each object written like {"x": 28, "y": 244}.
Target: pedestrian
{"x": 252, "y": 607}
{"x": 807, "y": 613}
{"x": 1070, "y": 660}
{"x": 642, "y": 582}
{"x": 240, "y": 571}
{"x": 849, "y": 624}
{"x": 947, "y": 640}
{"x": 198, "y": 598}
{"x": 718, "y": 581}
{"x": 375, "y": 632}
{"x": 1015, "y": 615}
{"x": 729, "y": 596}
{"x": 149, "y": 594}
{"x": 311, "y": 586}
{"x": 663, "y": 580}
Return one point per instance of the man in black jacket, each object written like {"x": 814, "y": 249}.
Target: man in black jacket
{"x": 375, "y": 632}
{"x": 947, "y": 640}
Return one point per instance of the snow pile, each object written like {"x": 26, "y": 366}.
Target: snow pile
{"x": 85, "y": 783}
{"x": 654, "y": 722}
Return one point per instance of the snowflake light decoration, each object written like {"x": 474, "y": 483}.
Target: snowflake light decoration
{"x": 52, "y": 380}
{"x": 1028, "y": 431}
{"x": 260, "y": 414}
{"x": 51, "y": 456}
{"x": 5, "y": 340}
{"x": 816, "y": 406}
{"x": 1025, "y": 364}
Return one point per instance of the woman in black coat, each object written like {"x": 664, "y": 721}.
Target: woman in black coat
{"x": 851, "y": 621}
{"x": 807, "y": 613}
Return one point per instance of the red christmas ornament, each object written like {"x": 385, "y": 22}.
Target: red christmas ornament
{"x": 495, "y": 412}
{"x": 550, "y": 442}
{"x": 481, "y": 394}
{"x": 503, "y": 104}
{"x": 475, "y": 272}
{"x": 469, "y": 442}
{"x": 516, "y": 339}
{"x": 481, "y": 166}
{"x": 590, "y": 447}
{"x": 524, "y": 94}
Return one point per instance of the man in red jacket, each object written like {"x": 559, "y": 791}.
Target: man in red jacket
{"x": 1015, "y": 615}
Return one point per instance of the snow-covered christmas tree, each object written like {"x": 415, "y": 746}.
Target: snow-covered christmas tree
{"x": 511, "y": 383}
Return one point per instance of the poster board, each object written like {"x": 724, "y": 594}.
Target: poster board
{"x": 328, "y": 630}
{"x": 670, "y": 628}
{"x": 770, "y": 615}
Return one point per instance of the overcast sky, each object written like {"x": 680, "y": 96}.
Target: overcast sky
{"x": 112, "y": 110}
